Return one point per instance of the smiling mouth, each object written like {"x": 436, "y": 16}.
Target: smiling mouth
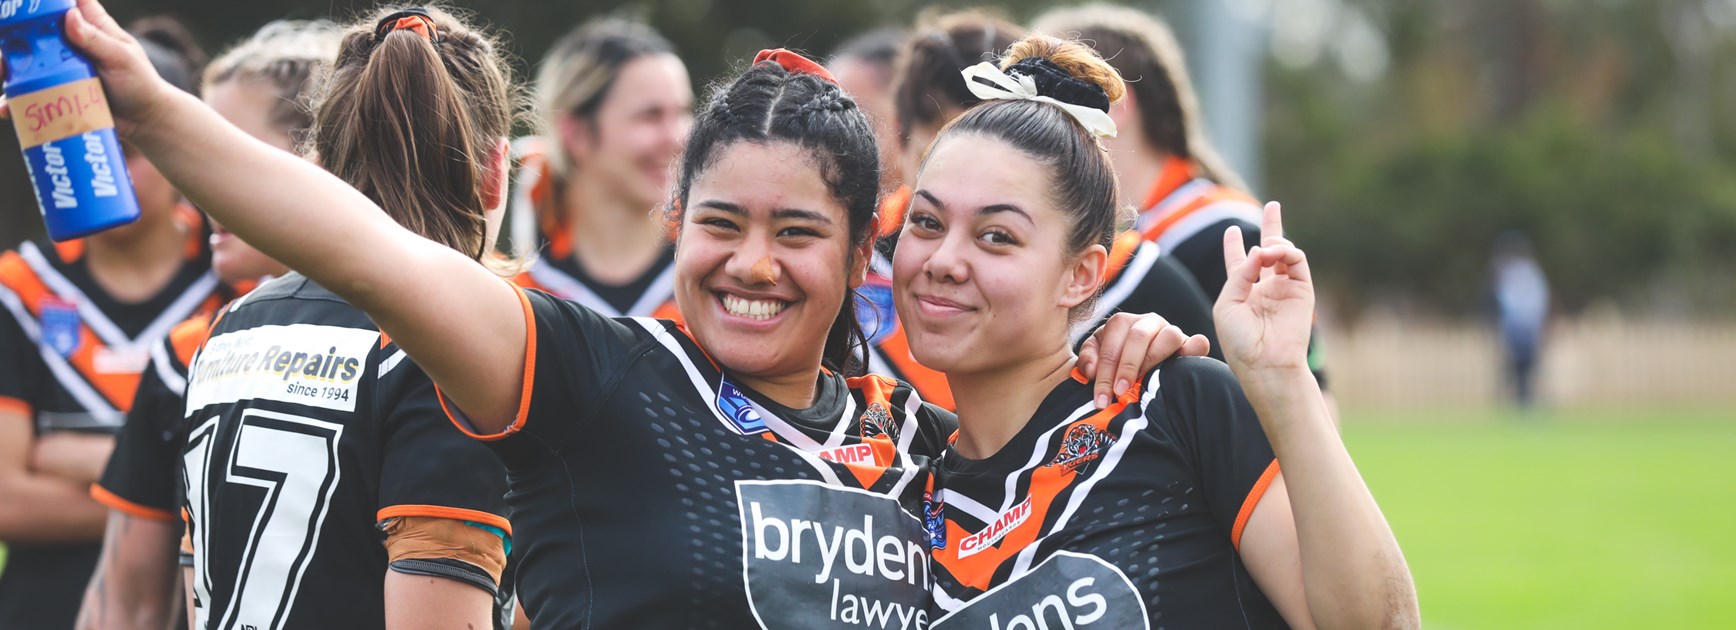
{"x": 759, "y": 310}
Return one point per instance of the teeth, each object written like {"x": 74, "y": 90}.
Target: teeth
{"x": 752, "y": 309}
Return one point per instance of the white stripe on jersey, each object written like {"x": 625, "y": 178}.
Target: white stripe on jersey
{"x": 1182, "y": 196}
{"x": 390, "y": 362}
{"x": 1111, "y": 458}
{"x": 568, "y": 287}
{"x": 1203, "y": 218}
{"x": 708, "y": 394}
{"x": 99, "y": 322}
{"x": 166, "y": 371}
{"x": 69, "y": 378}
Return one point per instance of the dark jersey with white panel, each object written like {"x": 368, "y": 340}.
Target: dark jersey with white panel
{"x": 142, "y": 477}
{"x": 71, "y": 358}
{"x": 1128, "y": 517}
{"x": 308, "y": 433}
{"x": 649, "y": 490}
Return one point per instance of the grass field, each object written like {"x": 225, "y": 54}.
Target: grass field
{"x": 1597, "y": 519}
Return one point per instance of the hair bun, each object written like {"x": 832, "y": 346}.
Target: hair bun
{"x": 1065, "y": 70}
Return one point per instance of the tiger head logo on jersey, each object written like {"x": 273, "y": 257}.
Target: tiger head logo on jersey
{"x": 877, "y": 422}
{"x": 1083, "y": 444}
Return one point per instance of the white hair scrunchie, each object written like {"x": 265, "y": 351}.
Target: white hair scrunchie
{"x": 1005, "y": 87}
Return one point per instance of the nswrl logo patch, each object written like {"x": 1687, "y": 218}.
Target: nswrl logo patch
{"x": 738, "y": 409}
{"x": 61, "y": 327}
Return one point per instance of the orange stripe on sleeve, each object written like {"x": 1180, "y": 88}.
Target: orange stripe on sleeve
{"x": 440, "y": 511}
{"x": 524, "y": 394}
{"x": 1248, "y": 504}
{"x": 118, "y": 504}
{"x": 17, "y": 406}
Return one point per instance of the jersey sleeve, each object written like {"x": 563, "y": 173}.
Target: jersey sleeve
{"x": 1204, "y": 405}
{"x": 142, "y": 477}
{"x": 573, "y": 356}
{"x": 428, "y": 467}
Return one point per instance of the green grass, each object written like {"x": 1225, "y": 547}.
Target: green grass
{"x": 1597, "y": 519}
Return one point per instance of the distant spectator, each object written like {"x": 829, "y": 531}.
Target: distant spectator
{"x": 1521, "y": 296}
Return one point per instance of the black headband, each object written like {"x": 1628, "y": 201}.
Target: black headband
{"x": 1058, "y": 84}
{"x": 416, "y": 19}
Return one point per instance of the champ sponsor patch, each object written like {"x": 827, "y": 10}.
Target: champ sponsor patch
{"x": 318, "y": 366}
{"x": 1068, "y": 590}
{"x": 819, "y": 556}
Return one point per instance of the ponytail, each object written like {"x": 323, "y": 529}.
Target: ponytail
{"x": 412, "y": 114}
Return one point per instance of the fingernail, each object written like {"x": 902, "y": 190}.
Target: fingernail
{"x": 1120, "y": 387}
{"x": 1102, "y": 401}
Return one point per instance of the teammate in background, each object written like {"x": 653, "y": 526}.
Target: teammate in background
{"x": 77, "y": 322}
{"x": 1168, "y": 507}
{"x": 741, "y": 430}
{"x": 260, "y": 85}
{"x": 1187, "y": 194}
{"x": 618, "y": 104}
{"x": 930, "y": 93}
{"x": 865, "y": 66}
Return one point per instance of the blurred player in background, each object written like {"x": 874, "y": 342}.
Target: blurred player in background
{"x": 261, "y": 85}
{"x": 617, "y": 104}
{"x": 78, "y": 321}
{"x": 1187, "y": 194}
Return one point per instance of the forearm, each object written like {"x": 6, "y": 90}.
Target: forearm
{"x": 134, "y": 583}
{"x": 420, "y": 601}
{"x": 35, "y": 509}
{"x": 75, "y": 457}
{"x": 1353, "y": 571}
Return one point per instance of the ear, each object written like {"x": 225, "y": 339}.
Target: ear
{"x": 576, "y": 135}
{"x": 1125, "y": 113}
{"x": 499, "y": 168}
{"x": 861, "y": 255}
{"x": 1084, "y": 276}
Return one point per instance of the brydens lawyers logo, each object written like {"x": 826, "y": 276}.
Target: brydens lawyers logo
{"x": 735, "y": 406}
{"x": 60, "y": 326}
{"x": 1083, "y": 444}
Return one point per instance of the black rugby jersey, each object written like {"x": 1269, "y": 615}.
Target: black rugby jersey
{"x": 142, "y": 477}
{"x": 71, "y": 358}
{"x": 306, "y": 429}
{"x": 1127, "y": 517}
{"x": 649, "y": 491}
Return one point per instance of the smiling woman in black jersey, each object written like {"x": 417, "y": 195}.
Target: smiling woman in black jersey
{"x": 1168, "y": 507}
{"x": 713, "y": 476}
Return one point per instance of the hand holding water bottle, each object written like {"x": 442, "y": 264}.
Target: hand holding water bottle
{"x": 67, "y": 120}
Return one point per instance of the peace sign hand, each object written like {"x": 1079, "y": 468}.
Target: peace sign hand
{"x": 1266, "y": 310}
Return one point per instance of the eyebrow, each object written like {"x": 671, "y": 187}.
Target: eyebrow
{"x": 780, "y": 213}
{"x": 985, "y": 210}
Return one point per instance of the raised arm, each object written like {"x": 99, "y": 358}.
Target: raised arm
{"x": 459, "y": 321}
{"x": 1318, "y": 544}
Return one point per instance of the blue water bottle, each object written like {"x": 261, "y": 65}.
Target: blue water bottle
{"x": 63, "y": 123}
